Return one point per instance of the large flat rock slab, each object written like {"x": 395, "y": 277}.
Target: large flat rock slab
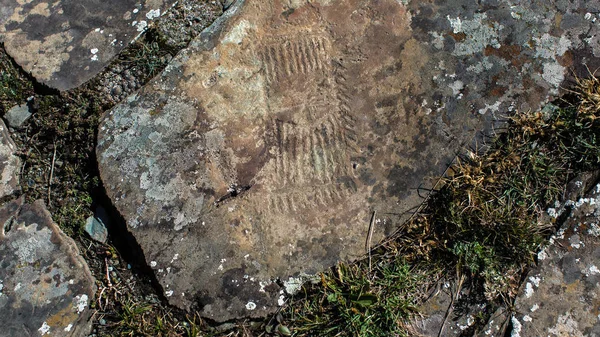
{"x": 265, "y": 148}
{"x": 65, "y": 43}
{"x": 45, "y": 285}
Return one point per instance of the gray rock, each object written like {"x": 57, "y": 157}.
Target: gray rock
{"x": 439, "y": 316}
{"x": 560, "y": 296}
{"x": 9, "y": 163}
{"x": 17, "y": 115}
{"x": 263, "y": 149}
{"x": 65, "y": 43}
{"x": 45, "y": 285}
{"x": 96, "y": 229}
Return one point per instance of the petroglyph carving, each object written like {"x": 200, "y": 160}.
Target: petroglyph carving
{"x": 308, "y": 130}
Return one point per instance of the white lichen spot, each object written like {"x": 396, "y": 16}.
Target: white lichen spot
{"x": 154, "y": 13}
{"x": 250, "y": 305}
{"x": 281, "y": 300}
{"x": 479, "y": 31}
{"x": 553, "y": 73}
{"x": 534, "y": 308}
{"x": 135, "y": 11}
{"x": 588, "y": 16}
{"x": 94, "y": 50}
{"x": 45, "y": 329}
{"x": 18, "y": 286}
{"x": 528, "y": 290}
{"x": 94, "y": 58}
{"x": 566, "y": 326}
{"x": 262, "y": 286}
{"x": 69, "y": 327}
{"x": 438, "y": 40}
{"x": 552, "y": 213}
{"x": 169, "y": 293}
{"x": 292, "y": 285}
{"x": 593, "y": 229}
{"x": 153, "y": 264}
{"x": 592, "y": 270}
{"x": 220, "y": 268}
{"x": 535, "y": 280}
{"x": 516, "y": 16}
{"x": 456, "y": 87}
{"x": 516, "y": 332}
{"x": 238, "y": 33}
{"x": 527, "y": 318}
{"x": 493, "y": 108}
{"x": 141, "y": 26}
{"x": 456, "y": 24}
{"x": 175, "y": 257}
{"x": 81, "y": 302}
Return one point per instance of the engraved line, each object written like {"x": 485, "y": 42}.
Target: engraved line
{"x": 285, "y": 62}
{"x": 301, "y": 57}
{"x": 275, "y": 61}
{"x": 315, "y": 49}
{"x": 285, "y": 173}
{"x": 309, "y": 55}
{"x": 291, "y": 49}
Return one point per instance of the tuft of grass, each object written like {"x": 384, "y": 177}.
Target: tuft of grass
{"x": 352, "y": 300}
{"x": 15, "y": 87}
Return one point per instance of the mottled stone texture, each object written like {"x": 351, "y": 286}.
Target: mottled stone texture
{"x": 65, "y": 43}
{"x": 9, "y": 163}
{"x": 263, "y": 149}
{"x": 561, "y": 296}
{"x": 45, "y": 285}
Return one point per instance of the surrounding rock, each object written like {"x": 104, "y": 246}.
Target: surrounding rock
{"x": 65, "y": 43}
{"x": 96, "y": 229}
{"x": 560, "y": 296}
{"x": 16, "y": 116}
{"x": 9, "y": 163}
{"x": 440, "y": 316}
{"x": 264, "y": 148}
{"x": 45, "y": 285}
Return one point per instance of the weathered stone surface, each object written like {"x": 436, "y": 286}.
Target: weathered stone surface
{"x": 9, "y": 163}
{"x": 560, "y": 297}
{"x": 263, "y": 149}
{"x": 17, "y": 115}
{"x": 96, "y": 229}
{"x": 439, "y": 316}
{"x": 45, "y": 285}
{"x": 65, "y": 43}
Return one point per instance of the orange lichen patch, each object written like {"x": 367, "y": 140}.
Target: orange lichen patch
{"x": 62, "y": 319}
{"x": 458, "y": 37}
{"x": 498, "y": 91}
{"x": 510, "y": 53}
{"x": 566, "y": 60}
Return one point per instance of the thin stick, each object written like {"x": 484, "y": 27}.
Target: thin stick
{"x": 107, "y": 273}
{"x": 51, "y": 174}
{"x": 370, "y": 237}
{"x": 459, "y": 283}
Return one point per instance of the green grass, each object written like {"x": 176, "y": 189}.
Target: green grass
{"x": 352, "y": 300}
{"x": 15, "y": 87}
